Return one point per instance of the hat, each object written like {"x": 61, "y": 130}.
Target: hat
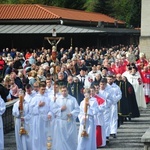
{"x": 104, "y": 68}
{"x": 134, "y": 67}
{"x": 83, "y": 68}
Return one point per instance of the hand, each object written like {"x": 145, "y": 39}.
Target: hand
{"x": 54, "y": 98}
{"x": 84, "y": 119}
{"x": 41, "y": 104}
{"x": 69, "y": 115}
{"x": 63, "y": 108}
{"x": 87, "y": 103}
{"x": 49, "y": 117}
{"x": 22, "y": 119}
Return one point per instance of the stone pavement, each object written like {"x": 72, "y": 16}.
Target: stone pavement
{"x": 128, "y": 137}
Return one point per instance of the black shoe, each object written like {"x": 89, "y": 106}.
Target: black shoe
{"x": 107, "y": 141}
{"x": 114, "y": 136}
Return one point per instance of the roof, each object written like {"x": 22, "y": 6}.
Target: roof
{"x": 43, "y": 29}
{"x": 60, "y": 29}
{"x": 24, "y": 11}
{"x": 38, "y": 12}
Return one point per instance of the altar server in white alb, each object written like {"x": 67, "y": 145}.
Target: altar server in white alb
{"x": 105, "y": 92}
{"x": 2, "y": 110}
{"x": 23, "y": 139}
{"x": 66, "y": 111}
{"x": 117, "y": 94}
{"x": 88, "y": 120}
{"x": 41, "y": 115}
{"x": 100, "y": 128}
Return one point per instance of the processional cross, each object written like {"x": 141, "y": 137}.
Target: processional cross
{"x": 53, "y": 41}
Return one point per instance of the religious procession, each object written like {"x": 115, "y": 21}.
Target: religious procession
{"x": 73, "y": 99}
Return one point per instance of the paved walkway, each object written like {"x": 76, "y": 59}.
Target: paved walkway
{"x": 128, "y": 138}
{"x": 130, "y": 133}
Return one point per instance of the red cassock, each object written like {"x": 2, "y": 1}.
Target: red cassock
{"x": 146, "y": 80}
{"x": 119, "y": 69}
{"x": 143, "y": 61}
{"x": 98, "y": 127}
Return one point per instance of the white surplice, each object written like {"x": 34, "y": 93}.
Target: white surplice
{"x": 88, "y": 143}
{"x": 137, "y": 84}
{"x": 108, "y": 96}
{"x": 40, "y": 121}
{"x": 65, "y": 129}
{"x": 114, "y": 109}
{"x": 2, "y": 110}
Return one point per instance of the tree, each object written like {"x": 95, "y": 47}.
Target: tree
{"x": 136, "y": 14}
{"x": 101, "y": 6}
{"x": 127, "y": 11}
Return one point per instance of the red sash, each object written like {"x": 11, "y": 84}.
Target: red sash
{"x": 99, "y": 100}
{"x": 98, "y": 136}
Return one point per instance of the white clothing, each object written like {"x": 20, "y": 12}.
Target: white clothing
{"x": 2, "y": 110}
{"x": 114, "y": 109}
{"x": 65, "y": 129}
{"x": 137, "y": 84}
{"x": 87, "y": 80}
{"x": 107, "y": 95}
{"x": 40, "y": 121}
{"x": 22, "y": 141}
{"x": 101, "y": 121}
{"x": 92, "y": 75}
{"x": 88, "y": 143}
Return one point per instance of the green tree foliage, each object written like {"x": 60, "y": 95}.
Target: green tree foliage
{"x": 102, "y": 6}
{"x": 136, "y": 14}
{"x": 76, "y": 4}
{"x": 127, "y": 10}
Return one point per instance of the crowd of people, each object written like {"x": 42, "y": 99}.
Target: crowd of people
{"x": 97, "y": 88}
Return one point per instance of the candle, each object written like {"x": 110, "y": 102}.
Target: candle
{"x": 85, "y": 104}
{"x": 21, "y": 102}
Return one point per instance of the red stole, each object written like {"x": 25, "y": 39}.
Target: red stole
{"x": 98, "y": 127}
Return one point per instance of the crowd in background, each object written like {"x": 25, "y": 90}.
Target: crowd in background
{"x": 118, "y": 78}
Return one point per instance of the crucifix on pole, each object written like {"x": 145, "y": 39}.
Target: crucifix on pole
{"x": 54, "y": 40}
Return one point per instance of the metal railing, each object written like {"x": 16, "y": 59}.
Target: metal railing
{"x": 8, "y": 119}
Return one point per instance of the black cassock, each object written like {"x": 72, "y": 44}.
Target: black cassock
{"x": 76, "y": 90}
{"x": 127, "y": 106}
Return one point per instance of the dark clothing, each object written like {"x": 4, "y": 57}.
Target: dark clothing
{"x": 127, "y": 106}
{"x": 4, "y": 92}
{"x": 17, "y": 64}
{"x": 8, "y": 70}
{"x": 75, "y": 90}
{"x": 96, "y": 82}
{"x": 61, "y": 82}
{"x": 19, "y": 83}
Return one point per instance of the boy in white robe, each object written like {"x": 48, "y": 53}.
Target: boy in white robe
{"x": 23, "y": 141}
{"x": 41, "y": 115}
{"x": 2, "y": 110}
{"x": 106, "y": 93}
{"x": 114, "y": 109}
{"x": 65, "y": 129}
{"x": 100, "y": 116}
{"x": 88, "y": 142}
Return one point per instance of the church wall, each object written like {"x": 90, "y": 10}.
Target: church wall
{"x": 145, "y": 28}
